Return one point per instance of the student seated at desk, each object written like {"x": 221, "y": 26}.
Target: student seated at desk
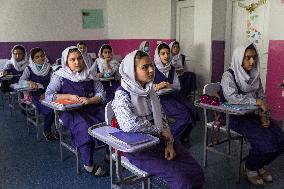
{"x": 14, "y": 66}
{"x": 38, "y": 75}
{"x": 105, "y": 66}
{"x": 83, "y": 48}
{"x": 174, "y": 105}
{"x": 74, "y": 82}
{"x": 145, "y": 46}
{"x": 187, "y": 79}
{"x": 241, "y": 85}
{"x": 137, "y": 109}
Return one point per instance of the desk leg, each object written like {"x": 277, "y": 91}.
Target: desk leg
{"x": 57, "y": 127}
{"x": 118, "y": 165}
{"x": 111, "y": 167}
{"x": 229, "y": 133}
{"x": 205, "y": 139}
{"x": 146, "y": 184}
{"x": 283, "y": 124}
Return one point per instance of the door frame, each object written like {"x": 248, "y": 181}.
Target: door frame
{"x": 180, "y": 5}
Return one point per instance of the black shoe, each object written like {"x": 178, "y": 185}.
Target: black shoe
{"x": 49, "y": 136}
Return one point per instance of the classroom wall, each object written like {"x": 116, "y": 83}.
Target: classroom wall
{"x": 52, "y": 20}
{"x": 132, "y": 21}
{"x": 122, "y": 30}
{"x": 147, "y": 19}
{"x": 218, "y": 38}
{"x": 275, "y": 65}
{"x": 52, "y": 25}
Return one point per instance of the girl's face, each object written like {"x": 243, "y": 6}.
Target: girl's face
{"x": 175, "y": 49}
{"x": 39, "y": 57}
{"x": 144, "y": 70}
{"x": 83, "y": 48}
{"x": 107, "y": 54}
{"x": 164, "y": 55}
{"x": 250, "y": 59}
{"x": 18, "y": 54}
{"x": 75, "y": 61}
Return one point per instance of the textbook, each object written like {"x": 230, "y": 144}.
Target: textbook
{"x": 240, "y": 106}
{"x": 67, "y": 103}
{"x": 129, "y": 138}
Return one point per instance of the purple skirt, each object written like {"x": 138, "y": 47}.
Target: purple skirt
{"x": 261, "y": 139}
{"x": 179, "y": 173}
{"x": 78, "y": 121}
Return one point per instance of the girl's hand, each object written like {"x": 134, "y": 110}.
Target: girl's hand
{"x": 170, "y": 152}
{"x": 180, "y": 71}
{"x": 262, "y": 105}
{"x": 166, "y": 134}
{"x": 33, "y": 85}
{"x": 167, "y": 85}
{"x": 161, "y": 85}
{"x": 84, "y": 100}
{"x": 74, "y": 98}
{"x": 42, "y": 96}
{"x": 99, "y": 75}
{"x": 264, "y": 119}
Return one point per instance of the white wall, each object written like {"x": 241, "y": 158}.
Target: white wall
{"x": 141, "y": 19}
{"x": 219, "y": 20}
{"x": 202, "y": 40}
{"x": 47, "y": 20}
{"x": 276, "y": 26}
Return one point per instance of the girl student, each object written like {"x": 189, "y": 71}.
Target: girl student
{"x": 241, "y": 84}
{"x": 187, "y": 79}
{"x": 38, "y": 75}
{"x": 137, "y": 109}
{"x": 145, "y": 46}
{"x": 105, "y": 67}
{"x": 15, "y": 66}
{"x": 74, "y": 82}
{"x": 84, "y": 50}
{"x": 174, "y": 105}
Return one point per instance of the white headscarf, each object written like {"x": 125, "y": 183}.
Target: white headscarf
{"x": 21, "y": 65}
{"x": 161, "y": 67}
{"x": 44, "y": 69}
{"x": 246, "y": 82}
{"x": 137, "y": 92}
{"x": 176, "y": 59}
{"x": 67, "y": 73}
{"x": 100, "y": 61}
{"x": 142, "y": 45}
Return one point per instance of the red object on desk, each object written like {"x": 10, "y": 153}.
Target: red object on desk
{"x": 66, "y": 101}
{"x": 211, "y": 100}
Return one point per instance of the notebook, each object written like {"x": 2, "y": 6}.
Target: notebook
{"x": 240, "y": 106}
{"x": 21, "y": 85}
{"x": 67, "y": 103}
{"x": 129, "y": 138}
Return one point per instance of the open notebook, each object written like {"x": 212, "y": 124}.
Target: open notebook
{"x": 129, "y": 138}
{"x": 240, "y": 106}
